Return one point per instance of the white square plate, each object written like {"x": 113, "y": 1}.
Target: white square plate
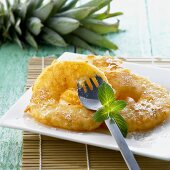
{"x": 155, "y": 144}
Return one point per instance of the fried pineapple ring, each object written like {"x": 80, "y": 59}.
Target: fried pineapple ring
{"x": 148, "y": 104}
{"x": 55, "y": 100}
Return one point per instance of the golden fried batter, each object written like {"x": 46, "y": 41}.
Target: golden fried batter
{"x": 55, "y": 100}
{"x": 148, "y": 104}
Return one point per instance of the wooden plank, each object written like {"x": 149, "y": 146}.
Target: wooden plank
{"x": 159, "y": 24}
{"x": 134, "y": 42}
{"x": 13, "y": 74}
{"x": 13, "y": 66}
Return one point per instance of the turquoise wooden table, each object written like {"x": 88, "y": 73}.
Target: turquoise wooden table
{"x": 147, "y": 33}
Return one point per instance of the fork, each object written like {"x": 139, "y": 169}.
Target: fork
{"x": 88, "y": 95}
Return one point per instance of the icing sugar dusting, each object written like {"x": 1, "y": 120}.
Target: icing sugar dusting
{"x": 146, "y": 106}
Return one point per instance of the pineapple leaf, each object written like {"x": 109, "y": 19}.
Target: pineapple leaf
{"x": 107, "y": 9}
{"x": 95, "y": 39}
{"x": 57, "y": 5}
{"x": 15, "y": 4}
{"x": 96, "y": 4}
{"x": 63, "y": 25}
{"x": 69, "y": 5}
{"x": 30, "y": 40}
{"x": 99, "y": 26}
{"x": 8, "y": 25}
{"x": 17, "y": 26}
{"x": 53, "y": 38}
{"x": 34, "y": 25}
{"x": 11, "y": 17}
{"x": 1, "y": 22}
{"x": 8, "y": 5}
{"x": 77, "y": 13}
{"x": 38, "y": 3}
{"x": 102, "y": 16}
{"x": 21, "y": 10}
{"x": 31, "y": 6}
{"x": 2, "y": 9}
{"x": 43, "y": 12}
{"x": 74, "y": 40}
{"x": 2, "y": 13}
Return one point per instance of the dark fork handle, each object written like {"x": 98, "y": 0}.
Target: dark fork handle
{"x": 124, "y": 149}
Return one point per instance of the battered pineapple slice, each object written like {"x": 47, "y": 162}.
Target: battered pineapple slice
{"x": 55, "y": 100}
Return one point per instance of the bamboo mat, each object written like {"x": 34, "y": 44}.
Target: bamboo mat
{"x": 42, "y": 152}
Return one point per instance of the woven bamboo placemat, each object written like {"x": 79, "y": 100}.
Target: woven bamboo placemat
{"x": 42, "y": 152}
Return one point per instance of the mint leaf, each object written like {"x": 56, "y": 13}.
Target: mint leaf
{"x": 111, "y": 108}
{"x": 117, "y": 106}
{"x": 121, "y": 123}
{"x": 106, "y": 94}
{"x": 100, "y": 115}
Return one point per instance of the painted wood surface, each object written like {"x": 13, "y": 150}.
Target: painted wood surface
{"x": 147, "y": 33}
{"x": 13, "y": 72}
{"x": 159, "y": 25}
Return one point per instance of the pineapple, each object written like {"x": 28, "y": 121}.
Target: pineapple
{"x": 57, "y": 22}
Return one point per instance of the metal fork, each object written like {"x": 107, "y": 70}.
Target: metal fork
{"x": 88, "y": 94}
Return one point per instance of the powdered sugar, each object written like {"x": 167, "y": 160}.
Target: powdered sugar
{"x": 145, "y": 105}
{"x": 67, "y": 116}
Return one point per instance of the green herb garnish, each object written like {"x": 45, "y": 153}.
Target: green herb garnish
{"x": 110, "y": 108}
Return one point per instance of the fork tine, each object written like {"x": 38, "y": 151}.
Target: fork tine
{"x": 89, "y": 98}
{"x": 82, "y": 86}
{"x": 94, "y": 80}
{"x": 99, "y": 80}
{"x": 89, "y": 83}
